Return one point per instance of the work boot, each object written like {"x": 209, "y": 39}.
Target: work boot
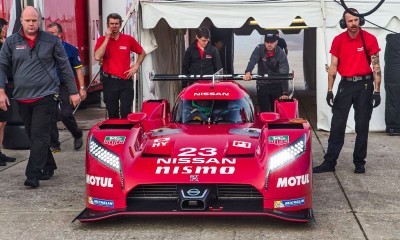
{"x": 55, "y": 149}
{"x": 47, "y": 174}
{"x": 78, "y": 142}
{"x": 324, "y": 167}
{"x": 32, "y": 182}
{"x": 359, "y": 169}
{"x": 5, "y": 158}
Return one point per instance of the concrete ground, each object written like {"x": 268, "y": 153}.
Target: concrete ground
{"x": 346, "y": 205}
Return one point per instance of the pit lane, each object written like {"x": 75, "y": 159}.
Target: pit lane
{"x": 346, "y": 205}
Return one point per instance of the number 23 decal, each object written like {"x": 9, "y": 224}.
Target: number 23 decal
{"x": 191, "y": 152}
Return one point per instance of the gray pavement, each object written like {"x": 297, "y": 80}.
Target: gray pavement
{"x": 346, "y": 205}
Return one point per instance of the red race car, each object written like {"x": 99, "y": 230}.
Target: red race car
{"x": 212, "y": 155}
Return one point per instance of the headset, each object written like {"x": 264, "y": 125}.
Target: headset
{"x": 342, "y": 22}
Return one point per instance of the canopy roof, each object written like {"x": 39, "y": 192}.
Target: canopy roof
{"x": 268, "y": 14}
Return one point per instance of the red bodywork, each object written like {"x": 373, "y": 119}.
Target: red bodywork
{"x": 154, "y": 164}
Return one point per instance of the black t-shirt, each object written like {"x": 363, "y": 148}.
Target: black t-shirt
{"x": 282, "y": 43}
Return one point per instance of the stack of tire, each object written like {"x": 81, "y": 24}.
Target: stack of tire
{"x": 15, "y": 136}
{"x": 392, "y": 84}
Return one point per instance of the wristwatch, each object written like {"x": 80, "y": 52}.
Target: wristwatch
{"x": 82, "y": 88}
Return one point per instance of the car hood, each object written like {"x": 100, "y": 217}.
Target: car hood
{"x": 200, "y": 153}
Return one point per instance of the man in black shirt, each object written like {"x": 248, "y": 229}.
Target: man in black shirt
{"x": 281, "y": 43}
{"x": 201, "y": 57}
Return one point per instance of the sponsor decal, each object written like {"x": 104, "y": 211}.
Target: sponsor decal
{"x": 193, "y": 76}
{"x": 189, "y": 157}
{"x": 241, "y": 144}
{"x": 289, "y": 203}
{"x": 99, "y": 181}
{"x": 114, "y": 140}
{"x": 223, "y": 170}
{"x": 211, "y": 94}
{"x": 101, "y": 202}
{"x": 20, "y": 47}
{"x": 278, "y": 140}
{"x": 293, "y": 181}
{"x": 193, "y": 192}
{"x": 194, "y": 178}
{"x": 160, "y": 142}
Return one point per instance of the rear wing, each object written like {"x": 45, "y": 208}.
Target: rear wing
{"x": 236, "y": 77}
{"x": 223, "y": 77}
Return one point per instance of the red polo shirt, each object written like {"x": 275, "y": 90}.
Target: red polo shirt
{"x": 201, "y": 51}
{"x": 117, "y": 58}
{"x": 351, "y": 54}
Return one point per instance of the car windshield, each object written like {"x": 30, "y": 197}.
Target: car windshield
{"x": 214, "y": 111}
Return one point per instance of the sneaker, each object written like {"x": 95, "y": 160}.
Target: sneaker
{"x": 32, "y": 182}
{"x": 359, "y": 169}
{"x": 5, "y": 158}
{"x": 47, "y": 174}
{"x": 2, "y": 162}
{"x": 324, "y": 167}
{"x": 78, "y": 142}
{"x": 55, "y": 149}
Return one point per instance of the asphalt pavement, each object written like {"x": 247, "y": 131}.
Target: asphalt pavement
{"x": 346, "y": 205}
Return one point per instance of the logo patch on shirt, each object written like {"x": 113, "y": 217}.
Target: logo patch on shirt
{"x": 360, "y": 49}
{"x": 208, "y": 56}
{"x": 123, "y": 47}
{"x": 20, "y": 47}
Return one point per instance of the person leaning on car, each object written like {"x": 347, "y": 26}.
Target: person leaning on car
{"x": 114, "y": 50}
{"x": 270, "y": 60}
{"x": 352, "y": 53}
{"x": 201, "y": 57}
{"x": 33, "y": 57}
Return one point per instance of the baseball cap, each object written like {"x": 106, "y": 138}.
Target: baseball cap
{"x": 270, "y": 36}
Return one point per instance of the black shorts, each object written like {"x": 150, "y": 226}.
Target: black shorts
{"x": 7, "y": 115}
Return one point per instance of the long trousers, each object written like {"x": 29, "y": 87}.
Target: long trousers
{"x": 67, "y": 118}
{"x": 266, "y": 95}
{"x": 118, "y": 97}
{"x": 37, "y": 117}
{"x": 358, "y": 94}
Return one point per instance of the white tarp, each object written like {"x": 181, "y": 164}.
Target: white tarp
{"x": 233, "y": 14}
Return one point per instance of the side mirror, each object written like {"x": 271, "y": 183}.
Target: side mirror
{"x": 268, "y": 117}
{"x": 136, "y": 117}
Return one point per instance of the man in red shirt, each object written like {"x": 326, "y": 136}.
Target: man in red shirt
{"x": 114, "y": 50}
{"x": 352, "y": 52}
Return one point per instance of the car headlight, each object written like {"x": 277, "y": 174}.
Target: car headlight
{"x": 285, "y": 156}
{"x": 104, "y": 155}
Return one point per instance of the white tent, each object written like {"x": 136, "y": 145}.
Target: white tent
{"x": 164, "y": 23}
